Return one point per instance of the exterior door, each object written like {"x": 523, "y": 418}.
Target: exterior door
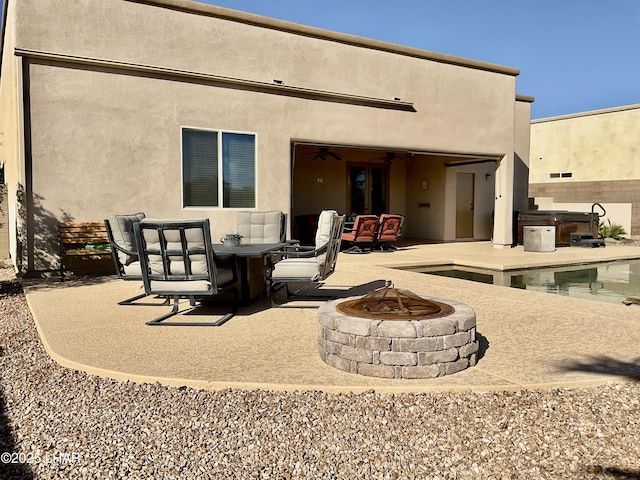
{"x": 464, "y": 204}
{"x": 367, "y": 192}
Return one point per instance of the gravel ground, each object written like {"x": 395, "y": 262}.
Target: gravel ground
{"x": 60, "y": 423}
{"x": 629, "y": 241}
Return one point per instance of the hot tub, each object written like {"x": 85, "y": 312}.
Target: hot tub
{"x": 565, "y": 222}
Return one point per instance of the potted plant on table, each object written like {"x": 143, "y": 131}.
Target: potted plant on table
{"x": 231, "y": 239}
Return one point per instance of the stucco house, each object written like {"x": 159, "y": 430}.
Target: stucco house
{"x": 589, "y": 157}
{"x": 183, "y": 110}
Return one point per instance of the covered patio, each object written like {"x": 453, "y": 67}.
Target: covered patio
{"x": 443, "y": 196}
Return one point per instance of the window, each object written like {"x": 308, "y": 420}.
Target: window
{"x": 218, "y": 169}
{"x": 561, "y": 175}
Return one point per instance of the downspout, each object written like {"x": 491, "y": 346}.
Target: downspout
{"x": 24, "y": 200}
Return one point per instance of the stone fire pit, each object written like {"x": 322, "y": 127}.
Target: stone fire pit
{"x": 394, "y": 333}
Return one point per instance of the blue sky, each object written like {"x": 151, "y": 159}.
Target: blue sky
{"x": 573, "y": 55}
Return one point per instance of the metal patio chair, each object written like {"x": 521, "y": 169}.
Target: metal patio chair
{"x": 124, "y": 250}
{"x": 299, "y": 271}
{"x": 389, "y": 230}
{"x": 262, "y": 227}
{"x": 362, "y": 234}
{"x": 257, "y": 228}
{"x": 177, "y": 260}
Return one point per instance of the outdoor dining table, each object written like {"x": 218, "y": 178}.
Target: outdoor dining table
{"x": 251, "y": 264}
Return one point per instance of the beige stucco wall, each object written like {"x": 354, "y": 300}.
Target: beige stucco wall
{"x": 107, "y": 140}
{"x": 601, "y": 151}
{"x": 522, "y": 152}
{"x": 593, "y": 146}
{"x": 428, "y": 207}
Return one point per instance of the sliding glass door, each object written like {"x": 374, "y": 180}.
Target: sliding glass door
{"x": 367, "y": 189}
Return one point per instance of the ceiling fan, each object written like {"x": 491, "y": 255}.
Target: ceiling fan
{"x": 323, "y": 153}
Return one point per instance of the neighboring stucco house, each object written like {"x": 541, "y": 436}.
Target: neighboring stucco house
{"x": 589, "y": 157}
{"x": 183, "y": 110}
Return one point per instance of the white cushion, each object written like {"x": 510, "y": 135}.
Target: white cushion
{"x": 195, "y": 239}
{"x": 324, "y": 227}
{"x": 122, "y": 231}
{"x": 223, "y": 276}
{"x": 192, "y": 286}
{"x": 296, "y": 268}
{"x": 133, "y": 269}
{"x": 260, "y": 227}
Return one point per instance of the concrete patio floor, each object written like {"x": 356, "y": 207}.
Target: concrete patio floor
{"x": 528, "y": 339}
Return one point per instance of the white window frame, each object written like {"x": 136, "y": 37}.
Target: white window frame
{"x": 220, "y": 205}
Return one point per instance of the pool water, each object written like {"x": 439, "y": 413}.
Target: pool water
{"x": 610, "y": 282}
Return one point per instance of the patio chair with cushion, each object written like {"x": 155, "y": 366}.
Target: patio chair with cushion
{"x": 262, "y": 227}
{"x": 297, "y": 268}
{"x": 177, "y": 260}
{"x": 362, "y": 234}
{"x": 257, "y": 228}
{"x": 124, "y": 250}
{"x": 389, "y": 230}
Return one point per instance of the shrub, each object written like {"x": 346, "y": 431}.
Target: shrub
{"x": 611, "y": 231}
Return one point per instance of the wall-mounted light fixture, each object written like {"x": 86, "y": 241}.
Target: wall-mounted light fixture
{"x": 487, "y": 176}
{"x": 278, "y": 82}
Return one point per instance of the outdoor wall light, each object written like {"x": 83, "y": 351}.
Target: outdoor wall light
{"x": 278, "y": 82}
{"x": 397, "y": 99}
{"x": 487, "y": 176}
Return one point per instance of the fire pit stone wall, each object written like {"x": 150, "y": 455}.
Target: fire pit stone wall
{"x": 409, "y": 349}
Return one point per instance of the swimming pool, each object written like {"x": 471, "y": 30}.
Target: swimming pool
{"x": 611, "y": 282}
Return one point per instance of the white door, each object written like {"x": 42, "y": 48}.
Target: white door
{"x": 464, "y": 205}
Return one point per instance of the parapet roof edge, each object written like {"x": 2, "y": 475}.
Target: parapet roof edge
{"x": 272, "y": 23}
{"x": 588, "y": 113}
{"x": 524, "y": 98}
